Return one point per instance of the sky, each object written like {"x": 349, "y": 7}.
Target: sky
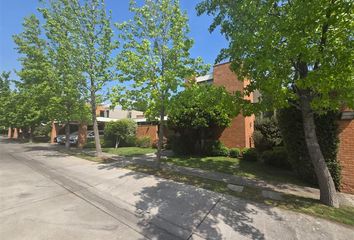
{"x": 12, "y": 12}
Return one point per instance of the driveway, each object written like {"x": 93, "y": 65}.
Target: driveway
{"x": 45, "y": 194}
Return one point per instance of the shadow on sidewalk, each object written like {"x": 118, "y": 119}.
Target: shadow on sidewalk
{"x": 168, "y": 204}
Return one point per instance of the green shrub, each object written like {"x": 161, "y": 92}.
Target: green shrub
{"x": 130, "y": 141}
{"x": 143, "y": 142}
{"x": 249, "y": 154}
{"x": 182, "y": 145}
{"x": 42, "y": 130}
{"x": 121, "y": 132}
{"x": 267, "y": 134}
{"x": 217, "y": 148}
{"x": 235, "y": 152}
{"x": 278, "y": 157}
{"x": 291, "y": 126}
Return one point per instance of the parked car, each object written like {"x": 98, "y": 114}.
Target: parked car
{"x": 60, "y": 139}
{"x": 91, "y": 134}
{"x": 74, "y": 137}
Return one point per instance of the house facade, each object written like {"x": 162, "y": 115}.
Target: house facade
{"x": 239, "y": 134}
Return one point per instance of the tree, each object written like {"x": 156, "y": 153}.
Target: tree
{"x": 68, "y": 85}
{"x": 292, "y": 50}
{"x": 5, "y": 99}
{"x": 93, "y": 38}
{"x": 156, "y": 57}
{"x": 34, "y": 86}
{"x": 200, "y": 107}
{"x": 119, "y": 132}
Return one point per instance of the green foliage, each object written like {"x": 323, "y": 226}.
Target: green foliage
{"x": 198, "y": 109}
{"x": 290, "y": 123}
{"x": 276, "y": 157}
{"x": 120, "y": 133}
{"x": 183, "y": 145}
{"x": 155, "y": 55}
{"x": 68, "y": 98}
{"x": 297, "y": 52}
{"x": 202, "y": 106}
{"x": 267, "y": 134}
{"x": 303, "y": 44}
{"x": 143, "y": 142}
{"x": 249, "y": 154}
{"x": 34, "y": 89}
{"x": 42, "y": 130}
{"x": 216, "y": 148}
{"x": 6, "y": 105}
{"x": 235, "y": 152}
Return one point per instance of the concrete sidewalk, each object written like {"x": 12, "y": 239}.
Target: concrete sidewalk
{"x": 278, "y": 188}
{"x": 49, "y": 195}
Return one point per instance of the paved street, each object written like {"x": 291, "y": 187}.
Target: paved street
{"x": 49, "y": 195}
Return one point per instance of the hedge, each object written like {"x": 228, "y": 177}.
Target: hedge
{"x": 290, "y": 123}
{"x": 278, "y": 157}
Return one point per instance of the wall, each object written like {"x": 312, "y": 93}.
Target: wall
{"x": 147, "y": 130}
{"x": 346, "y": 154}
{"x": 239, "y": 134}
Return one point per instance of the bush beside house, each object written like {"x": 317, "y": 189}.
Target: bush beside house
{"x": 120, "y": 133}
{"x": 290, "y": 123}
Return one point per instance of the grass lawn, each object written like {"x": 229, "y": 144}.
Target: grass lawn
{"x": 253, "y": 170}
{"x": 129, "y": 151}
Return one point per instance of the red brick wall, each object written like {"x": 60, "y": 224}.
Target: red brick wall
{"x": 147, "y": 130}
{"x": 346, "y": 154}
{"x": 239, "y": 134}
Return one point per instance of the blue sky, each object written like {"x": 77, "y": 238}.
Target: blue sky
{"x": 12, "y": 13}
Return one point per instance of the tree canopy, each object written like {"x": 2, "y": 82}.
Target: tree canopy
{"x": 155, "y": 57}
{"x": 202, "y": 106}
{"x": 295, "y": 52}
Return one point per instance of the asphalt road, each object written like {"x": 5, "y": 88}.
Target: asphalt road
{"x": 45, "y": 194}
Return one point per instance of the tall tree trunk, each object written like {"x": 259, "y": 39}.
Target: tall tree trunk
{"x": 94, "y": 120}
{"x": 161, "y": 134}
{"x": 67, "y": 135}
{"x": 328, "y": 193}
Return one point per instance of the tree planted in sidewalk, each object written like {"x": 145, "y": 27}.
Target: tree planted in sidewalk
{"x": 68, "y": 85}
{"x": 93, "y": 39}
{"x": 34, "y": 86}
{"x": 296, "y": 53}
{"x": 155, "y": 56}
{"x": 6, "y": 96}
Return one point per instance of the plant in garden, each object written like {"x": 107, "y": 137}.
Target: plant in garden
{"x": 235, "y": 152}
{"x": 292, "y": 50}
{"x": 291, "y": 126}
{"x": 201, "y": 107}
{"x": 118, "y": 132}
{"x": 155, "y": 56}
{"x": 266, "y": 134}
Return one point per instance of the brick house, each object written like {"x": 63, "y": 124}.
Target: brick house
{"x": 239, "y": 134}
{"x": 346, "y": 150}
